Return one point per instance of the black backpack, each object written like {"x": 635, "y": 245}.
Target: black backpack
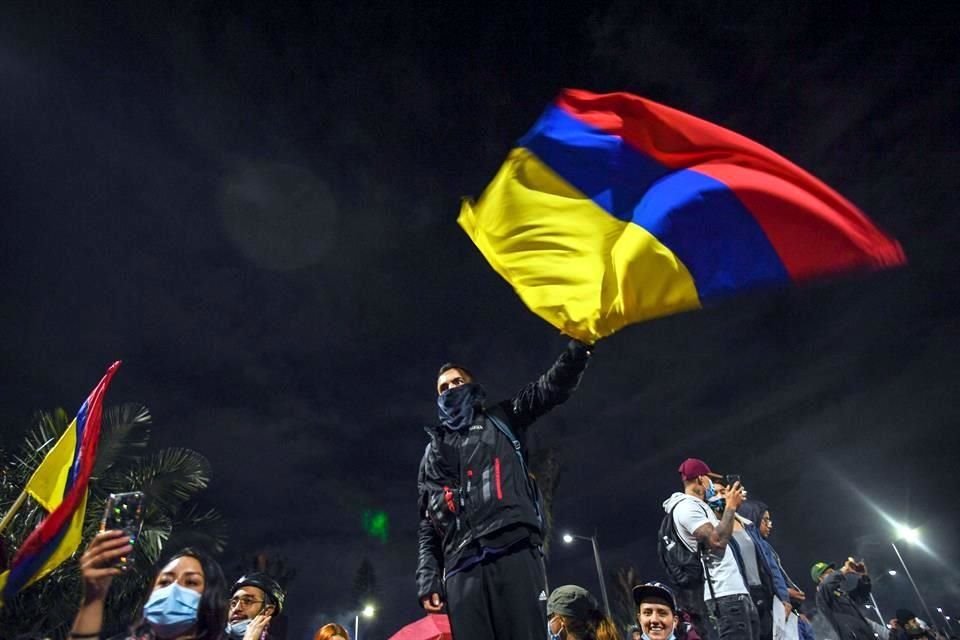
{"x": 683, "y": 567}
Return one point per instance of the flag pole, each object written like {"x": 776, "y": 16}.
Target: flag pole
{"x": 13, "y": 510}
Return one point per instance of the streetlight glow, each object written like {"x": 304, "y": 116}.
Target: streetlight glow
{"x": 909, "y": 534}
{"x": 368, "y": 611}
{"x": 892, "y": 572}
{"x": 569, "y": 538}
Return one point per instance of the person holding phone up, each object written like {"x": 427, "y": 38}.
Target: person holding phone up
{"x": 187, "y": 600}
{"x": 841, "y": 596}
{"x": 727, "y": 599}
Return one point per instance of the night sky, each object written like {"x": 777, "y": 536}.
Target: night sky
{"x": 253, "y": 206}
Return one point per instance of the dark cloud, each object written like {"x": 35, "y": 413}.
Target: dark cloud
{"x": 253, "y": 205}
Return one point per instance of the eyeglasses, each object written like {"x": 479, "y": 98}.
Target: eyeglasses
{"x": 767, "y": 520}
{"x": 244, "y": 601}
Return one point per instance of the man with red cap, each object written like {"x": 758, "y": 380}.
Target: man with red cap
{"x": 725, "y": 594}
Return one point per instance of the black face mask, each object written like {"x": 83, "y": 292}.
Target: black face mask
{"x": 456, "y": 407}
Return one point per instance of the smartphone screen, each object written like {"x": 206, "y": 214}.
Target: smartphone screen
{"x": 124, "y": 511}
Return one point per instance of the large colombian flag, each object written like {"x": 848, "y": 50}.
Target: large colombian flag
{"x": 59, "y": 484}
{"x": 614, "y": 209}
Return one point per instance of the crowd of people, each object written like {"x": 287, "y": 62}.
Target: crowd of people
{"x": 480, "y": 559}
{"x": 481, "y": 534}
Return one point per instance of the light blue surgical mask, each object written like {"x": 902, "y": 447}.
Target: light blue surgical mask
{"x": 171, "y": 610}
{"x": 711, "y": 490}
{"x": 235, "y": 630}
{"x": 717, "y": 502}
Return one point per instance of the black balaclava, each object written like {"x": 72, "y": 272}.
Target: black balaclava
{"x": 456, "y": 407}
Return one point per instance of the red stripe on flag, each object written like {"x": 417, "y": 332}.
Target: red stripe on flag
{"x": 52, "y": 525}
{"x": 813, "y": 229}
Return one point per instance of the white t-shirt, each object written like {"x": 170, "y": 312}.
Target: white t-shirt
{"x": 691, "y": 514}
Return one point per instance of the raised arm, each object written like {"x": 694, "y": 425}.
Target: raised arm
{"x": 550, "y": 389}
{"x": 717, "y": 537}
{"x": 97, "y": 567}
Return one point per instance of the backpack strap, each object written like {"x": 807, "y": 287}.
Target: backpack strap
{"x": 504, "y": 428}
{"x": 700, "y": 554}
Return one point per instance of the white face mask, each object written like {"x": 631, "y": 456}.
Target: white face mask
{"x": 235, "y": 630}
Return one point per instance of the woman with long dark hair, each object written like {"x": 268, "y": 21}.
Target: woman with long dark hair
{"x": 188, "y": 599}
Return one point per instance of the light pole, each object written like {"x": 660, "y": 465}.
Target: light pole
{"x": 569, "y": 538}
{"x": 912, "y": 536}
{"x": 366, "y": 612}
{"x": 946, "y": 618}
{"x": 877, "y": 609}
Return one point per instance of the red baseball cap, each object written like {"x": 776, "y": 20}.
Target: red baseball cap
{"x": 693, "y": 468}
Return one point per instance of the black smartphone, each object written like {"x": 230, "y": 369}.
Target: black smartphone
{"x": 124, "y": 511}
{"x": 730, "y": 478}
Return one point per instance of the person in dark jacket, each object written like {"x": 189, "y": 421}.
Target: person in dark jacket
{"x": 481, "y": 528}
{"x": 256, "y": 603}
{"x": 840, "y": 596}
{"x": 906, "y": 626}
{"x": 786, "y": 590}
{"x": 772, "y": 583}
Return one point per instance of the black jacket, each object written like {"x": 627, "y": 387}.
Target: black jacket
{"x": 840, "y": 598}
{"x": 472, "y": 486}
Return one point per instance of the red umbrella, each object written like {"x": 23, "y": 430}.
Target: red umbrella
{"x": 435, "y": 626}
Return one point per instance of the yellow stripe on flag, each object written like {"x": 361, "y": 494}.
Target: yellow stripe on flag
{"x": 573, "y": 264}
{"x": 50, "y": 477}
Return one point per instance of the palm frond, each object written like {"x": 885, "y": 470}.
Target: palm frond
{"x": 46, "y": 430}
{"x": 169, "y": 477}
{"x": 126, "y": 432}
{"x": 195, "y": 526}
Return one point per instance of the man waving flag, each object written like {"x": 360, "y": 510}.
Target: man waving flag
{"x": 614, "y": 209}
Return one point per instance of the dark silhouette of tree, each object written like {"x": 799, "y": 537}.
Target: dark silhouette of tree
{"x": 545, "y": 467}
{"x": 365, "y": 584}
{"x": 621, "y": 597}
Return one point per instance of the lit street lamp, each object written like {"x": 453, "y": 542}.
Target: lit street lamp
{"x": 912, "y": 536}
{"x": 569, "y": 538}
{"x": 946, "y": 618}
{"x": 892, "y": 572}
{"x": 367, "y": 612}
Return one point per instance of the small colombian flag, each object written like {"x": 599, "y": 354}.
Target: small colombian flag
{"x": 59, "y": 484}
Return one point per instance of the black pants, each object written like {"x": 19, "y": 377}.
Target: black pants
{"x": 763, "y": 601}
{"x": 503, "y": 598}
{"x": 737, "y": 617}
{"x": 691, "y": 601}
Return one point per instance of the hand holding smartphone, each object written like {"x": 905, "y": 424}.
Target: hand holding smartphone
{"x": 124, "y": 511}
